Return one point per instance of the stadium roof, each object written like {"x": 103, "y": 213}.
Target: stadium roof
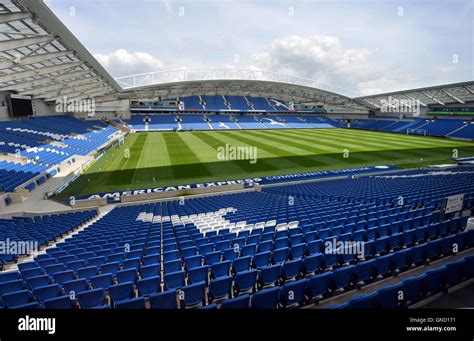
{"x": 225, "y": 81}
{"x": 457, "y": 93}
{"x": 39, "y": 56}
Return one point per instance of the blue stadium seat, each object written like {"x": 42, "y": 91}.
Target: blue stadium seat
{"x": 297, "y": 251}
{"x": 110, "y": 268}
{"x": 260, "y": 260}
{"x": 290, "y": 270}
{"x": 241, "y": 302}
{"x": 364, "y": 271}
{"x": 395, "y": 241}
{"x": 38, "y": 281}
{"x": 241, "y": 264}
{"x": 64, "y": 276}
{"x": 454, "y": 272}
{"x": 447, "y": 245}
{"x": 401, "y": 260}
{"x": 148, "y": 286}
{"x": 21, "y": 267}
{"x": 92, "y": 299}
{"x": 330, "y": 260}
{"x": 96, "y": 261}
{"x": 121, "y": 292}
{"x": 210, "y": 306}
{"x": 15, "y": 275}
{"x": 245, "y": 282}
{"x": 116, "y": 257}
{"x": 249, "y": 250}
{"x": 214, "y": 257}
{"x": 468, "y": 267}
{"x": 130, "y": 263}
{"x": 193, "y": 262}
{"x": 292, "y": 294}
{"x": 174, "y": 280}
{"x": 12, "y": 286}
{"x": 319, "y": 286}
{"x": 61, "y": 302}
{"x": 413, "y": 289}
{"x": 408, "y": 238}
{"x": 200, "y": 274}
{"x": 435, "y": 281}
{"x": 280, "y": 243}
{"x": 76, "y": 286}
{"x": 433, "y": 250}
{"x": 172, "y": 266}
{"x": 280, "y": 255}
{"x": 364, "y": 301}
{"x": 268, "y": 275}
{"x": 152, "y": 270}
{"x": 220, "y": 288}
{"x": 129, "y": 275}
{"x": 313, "y": 247}
{"x": 421, "y": 234}
{"x": 134, "y": 303}
{"x": 265, "y": 246}
{"x": 47, "y": 292}
{"x": 418, "y": 254}
{"x": 228, "y": 254}
{"x": 266, "y": 298}
{"x": 381, "y": 245}
{"x": 343, "y": 277}
{"x": 221, "y": 269}
{"x": 171, "y": 256}
{"x": 152, "y": 259}
{"x": 312, "y": 264}
{"x": 18, "y": 299}
{"x": 389, "y": 297}
{"x": 87, "y": 272}
{"x": 32, "y": 273}
{"x": 163, "y": 300}
{"x": 193, "y": 294}
{"x": 189, "y": 252}
{"x": 383, "y": 265}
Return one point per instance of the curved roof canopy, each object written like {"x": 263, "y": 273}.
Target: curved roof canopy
{"x": 39, "y": 56}
{"x": 220, "y": 81}
{"x": 456, "y": 93}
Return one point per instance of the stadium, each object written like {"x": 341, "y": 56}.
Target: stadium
{"x": 224, "y": 187}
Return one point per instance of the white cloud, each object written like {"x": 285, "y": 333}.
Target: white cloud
{"x": 322, "y": 58}
{"x": 124, "y": 63}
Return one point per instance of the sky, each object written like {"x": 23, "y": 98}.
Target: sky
{"x": 366, "y": 46}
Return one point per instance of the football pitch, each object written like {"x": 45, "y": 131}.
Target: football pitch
{"x": 154, "y": 159}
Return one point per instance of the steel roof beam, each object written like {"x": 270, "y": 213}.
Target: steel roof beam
{"x": 33, "y": 59}
{"x": 452, "y": 96}
{"x": 432, "y": 97}
{"x": 12, "y": 44}
{"x": 14, "y": 16}
{"x": 38, "y": 71}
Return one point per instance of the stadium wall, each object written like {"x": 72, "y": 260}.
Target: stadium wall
{"x": 3, "y": 106}
{"x": 40, "y": 107}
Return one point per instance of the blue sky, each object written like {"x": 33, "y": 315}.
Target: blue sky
{"x": 364, "y": 46}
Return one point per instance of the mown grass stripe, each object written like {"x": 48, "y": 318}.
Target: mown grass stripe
{"x": 182, "y": 154}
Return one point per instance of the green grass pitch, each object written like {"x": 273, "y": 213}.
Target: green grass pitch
{"x": 170, "y": 158}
